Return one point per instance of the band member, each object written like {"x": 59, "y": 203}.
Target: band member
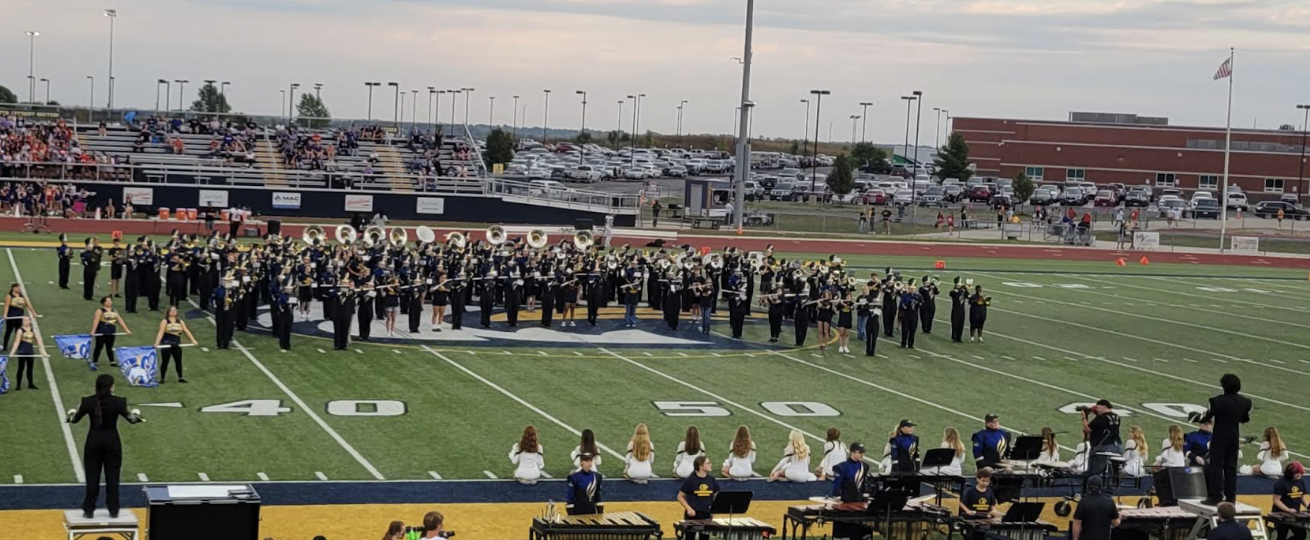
{"x": 775, "y": 304}
{"x": 486, "y": 298}
{"x": 1228, "y": 411}
{"x": 905, "y": 448}
{"x": 979, "y": 500}
{"x": 282, "y": 309}
{"x": 583, "y": 495}
{"x": 741, "y": 456}
{"x": 1196, "y": 445}
{"x": 368, "y": 300}
{"x": 871, "y": 331}
{"x": 594, "y": 294}
{"x": 90, "y": 267}
{"x": 802, "y": 321}
{"x": 1271, "y": 455}
{"x": 169, "y": 343}
{"x": 909, "y": 314}
{"x": 24, "y": 349}
{"x": 738, "y": 303}
{"x": 697, "y": 494}
{"x": 890, "y": 298}
{"x": 513, "y": 292}
{"x": 440, "y": 298}
{"x": 343, "y": 315}
{"x": 414, "y": 298}
{"x": 834, "y": 452}
{"x": 389, "y": 298}
{"x": 176, "y": 279}
{"x": 959, "y": 306}
{"x": 457, "y": 301}
{"x": 1289, "y": 497}
{"x": 103, "y": 452}
{"x": 223, "y": 313}
{"x": 1229, "y": 528}
{"x": 546, "y": 289}
{"x": 17, "y": 306}
{"x": 978, "y": 305}
{"x": 672, "y": 300}
{"x": 848, "y": 477}
{"x": 823, "y": 310}
{"x": 103, "y": 327}
{"x": 928, "y": 309}
{"x": 64, "y": 256}
{"x": 689, "y": 448}
{"x": 631, "y": 297}
{"x": 1097, "y": 513}
{"x": 571, "y": 290}
{"x": 638, "y": 462}
{"x": 990, "y": 445}
{"x": 704, "y": 304}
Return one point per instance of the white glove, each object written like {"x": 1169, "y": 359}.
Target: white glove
{"x": 68, "y": 417}
{"x": 136, "y": 413}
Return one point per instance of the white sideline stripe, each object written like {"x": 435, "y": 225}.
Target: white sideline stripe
{"x": 1260, "y": 304}
{"x": 50, "y": 381}
{"x": 203, "y": 477}
{"x": 914, "y": 356}
{"x": 306, "y": 408}
{"x": 646, "y": 353}
{"x": 320, "y": 475}
{"x": 683, "y": 354}
{"x": 881, "y": 355}
{"x": 716, "y": 354}
{"x": 1189, "y": 360}
{"x": 520, "y": 400}
{"x": 1161, "y": 303}
{"x": 359, "y": 351}
{"x": 262, "y": 476}
{"x": 321, "y": 351}
{"x": 395, "y": 351}
{"x": 489, "y": 474}
{"x": 1130, "y": 359}
{"x": 1071, "y": 359}
{"x": 434, "y": 475}
{"x": 1220, "y": 360}
{"x": 18, "y": 478}
{"x": 142, "y": 477}
{"x": 204, "y": 349}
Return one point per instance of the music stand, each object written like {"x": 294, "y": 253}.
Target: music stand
{"x": 938, "y": 458}
{"x": 731, "y": 503}
{"x": 1026, "y": 448}
{"x": 1023, "y": 513}
{"x": 885, "y": 502}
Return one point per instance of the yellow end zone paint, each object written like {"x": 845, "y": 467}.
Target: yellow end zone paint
{"x": 481, "y": 521}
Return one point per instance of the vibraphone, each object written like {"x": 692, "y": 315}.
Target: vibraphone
{"x": 1299, "y": 520}
{"x": 611, "y": 526}
{"x": 1161, "y": 522}
{"x": 914, "y": 522}
{"x": 737, "y": 528}
{"x": 996, "y": 529}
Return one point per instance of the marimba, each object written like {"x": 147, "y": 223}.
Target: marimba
{"x": 914, "y": 521}
{"x": 1006, "y": 530}
{"x": 611, "y": 526}
{"x": 1298, "y": 520}
{"x": 1208, "y": 518}
{"x": 1161, "y": 522}
{"x": 736, "y": 528}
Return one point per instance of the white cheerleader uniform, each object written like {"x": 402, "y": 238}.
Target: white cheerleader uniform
{"x": 684, "y": 462}
{"x": 740, "y": 468}
{"x": 834, "y": 452}
{"x": 1169, "y": 457}
{"x": 639, "y": 470}
{"x": 1048, "y": 457}
{"x": 1271, "y": 466}
{"x": 1134, "y": 461}
{"x": 955, "y": 468}
{"x": 794, "y": 470}
{"x": 1079, "y": 462}
{"x": 529, "y": 464}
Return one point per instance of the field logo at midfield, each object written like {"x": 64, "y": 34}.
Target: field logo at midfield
{"x": 1171, "y": 410}
{"x": 711, "y": 409}
{"x": 1030, "y": 285}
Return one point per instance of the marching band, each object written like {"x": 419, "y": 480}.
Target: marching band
{"x": 380, "y": 274}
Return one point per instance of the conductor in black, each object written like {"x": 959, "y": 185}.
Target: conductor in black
{"x": 1228, "y": 412}
{"x": 103, "y": 448}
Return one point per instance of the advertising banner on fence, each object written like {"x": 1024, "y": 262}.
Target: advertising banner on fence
{"x": 359, "y": 203}
{"x": 1246, "y": 244}
{"x": 283, "y": 200}
{"x": 1146, "y": 240}
{"x": 213, "y": 197}
{"x": 139, "y": 196}
{"x": 431, "y": 205}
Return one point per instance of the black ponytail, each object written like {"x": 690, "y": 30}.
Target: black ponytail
{"x": 104, "y": 387}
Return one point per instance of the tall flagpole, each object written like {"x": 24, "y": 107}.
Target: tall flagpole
{"x": 1228, "y": 148}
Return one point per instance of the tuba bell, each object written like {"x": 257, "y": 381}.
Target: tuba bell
{"x": 374, "y": 235}
{"x": 537, "y": 239}
{"x": 398, "y": 236}
{"x": 346, "y": 234}
{"x": 496, "y": 235}
{"x": 583, "y": 240}
{"x": 313, "y": 235}
{"x": 425, "y": 234}
{"x": 456, "y": 239}
{"x": 714, "y": 261}
{"x": 756, "y": 260}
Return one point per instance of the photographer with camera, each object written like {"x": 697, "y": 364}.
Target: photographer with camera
{"x": 1102, "y": 433}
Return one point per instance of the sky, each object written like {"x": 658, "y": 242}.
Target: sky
{"x": 1035, "y": 59}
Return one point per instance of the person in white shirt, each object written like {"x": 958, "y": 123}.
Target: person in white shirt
{"x": 950, "y": 439}
{"x": 886, "y": 464}
{"x": 834, "y": 452}
{"x": 795, "y": 463}
{"x": 637, "y": 465}
{"x": 609, "y": 230}
{"x": 1135, "y": 452}
{"x": 527, "y": 457}
{"x": 435, "y": 525}
{"x": 1272, "y": 454}
{"x": 688, "y": 450}
{"x": 1171, "y": 449}
{"x": 1050, "y": 450}
{"x": 586, "y": 446}
{"x": 741, "y": 457}
{"x": 1078, "y": 464}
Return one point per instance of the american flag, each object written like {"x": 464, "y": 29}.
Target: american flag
{"x": 1225, "y": 70}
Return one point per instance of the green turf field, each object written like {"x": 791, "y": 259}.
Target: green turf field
{"x": 1140, "y": 336}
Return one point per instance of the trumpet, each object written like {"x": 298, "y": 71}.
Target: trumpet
{"x": 537, "y": 239}
{"x": 346, "y": 234}
{"x": 426, "y": 234}
{"x": 583, "y": 240}
{"x": 373, "y": 235}
{"x": 313, "y": 235}
{"x": 496, "y": 235}
{"x": 398, "y": 236}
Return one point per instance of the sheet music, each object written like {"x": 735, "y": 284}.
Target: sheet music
{"x": 203, "y": 491}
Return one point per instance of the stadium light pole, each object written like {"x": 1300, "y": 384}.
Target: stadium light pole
{"x": 222, "y": 89}
{"x": 514, "y": 128}
{"x": 619, "y": 125}
{"x": 937, "y": 129}
{"x": 370, "y": 86}
{"x": 909, "y": 102}
{"x": 181, "y": 93}
{"x": 157, "y": 83}
{"x": 918, "y": 116}
{"x": 395, "y": 104}
{"x": 491, "y": 111}
{"x": 291, "y": 103}
{"x": 168, "y": 95}
{"x": 454, "y": 94}
{"x": 854, "y": 118}
{"x": 805, "y": 133}
{"x": 31, "y": 65}
{"x": 546, "y": 117}
{"x": 91, "y": 103}
{"x": 468, "y": 93}
{"x": 1304, "y": 128}
{"x": 112, "y": 14}
{"x": 681, "y": 106}
{"x": 318, "y": 88}
{"x": 744, "y": 143}
{"x": 583, "y": 93}
{"x": 818, "y": 113}
{"x": 864, "y": 129}
{"x": 47, "y": 89}
{"x": 432, "y": 92}
{"x": 281, "y": 101}
{"x": 437, "y": 107}
{"x": 413, "y": 108}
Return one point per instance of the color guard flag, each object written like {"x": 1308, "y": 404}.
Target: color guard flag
{"x": 1225, "y": 70}
{"x": 77, "y": 347}
{"x": 4, "y": 377}
{"x": 140, "y": 365}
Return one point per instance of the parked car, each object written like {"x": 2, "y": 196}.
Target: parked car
{"x": 584, "y": 173}
{"x": 903, "y": 197}
{"x": 980, "y": 193}
{"x": 782, "y": 192}
{"x": 1105, "y": 197}
{"x": 1290, "y": 198}
{"x": 875, "y": 196}
{"x": 1269, "y": 209}
{"x": 1206, "y": 208}
{"x": 1170, "y": 203}
{"x": 951, "y": 193}
{"x": 934, "y": 196}
{"x": 1137, "y": 198}
{"x": 541, "y": 188}
{"x": 1072, "y": 197}
{"x": 754, "y": 191}
{"x": 1001, "y": 200}
{"x": 1237, "y": 201}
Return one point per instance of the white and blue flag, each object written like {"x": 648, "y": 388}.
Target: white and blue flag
{"x": 4, "y": 377}
{"x": 77, "y": 347}
{"x": 140, "y": 365}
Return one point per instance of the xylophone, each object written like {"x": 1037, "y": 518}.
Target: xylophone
{"x": 1006, "y": 530}
{"x": 1161, "y": 522}
{"x": 737, "y": 528}
{"x": 611, "y": 526}
{"x": 1298, "y": 520}
{"x": 913, "y": 522}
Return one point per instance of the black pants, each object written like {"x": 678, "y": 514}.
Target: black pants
{"x": 593, "y": 308}
{"x": 909, "y": 325}
{"x": 88, "y": 282}
{"x": 487, "y": 306}
{"x": 775, "y": 323}
{"x": 131, "y": 282}
{"x": 341, "y": 329}
{"x": 232, "y": 228}
{"x": 802, "y": 325}
{"x": 976, "y": 325}
{"x": 871, "y": 336}
{"x": 457, "y": 311}
{"x": 64, "y": 266}
{"x": 926, "y": 314}
{"x": 547, "y": 309}
{"x": 415, "y": 314}
{"x": 106, "y": 456}
{"x": 11, "y": 326}
{"x": 365, "y": 322}
{"x": 889, "y": 319}
{"x": 106, "y": 343}
{"x": 957, "y": 325}
{"x": 176, "y": 292}
{"x": 222, "y": 327}
{"x": 512, "y": 306}
{"x": 1283, "y": 532}
{"x": 1221, "y": 469}
{"x": 174, "y": 353}
{"x": 25, "y": 363}
{"x": 284, "y": 317}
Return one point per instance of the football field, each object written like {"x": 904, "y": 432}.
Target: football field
{"x": 1154, "y": 340}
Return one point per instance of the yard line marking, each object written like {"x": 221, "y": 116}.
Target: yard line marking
{"x": 1018, "y": 301}
{"x": 304, "y": 407}
{"x": 142, "y": 477}
{"x": 716, "y": 354}
{"x": 263, "y": 477}
{"x": 914, "y": 356}
{"x": 1007, "y": 357}
{"x": 203, "y": 477}
{"x": 514, "y": 397}
{"x": 978, "y": 357}
{"x": 73, "y": 456}
{"x": 18, "y": 478}
{"x": 816, "y": 355}
{"x": 1167, "y": 304}
{"x": 359, "y": 351}
{"x": 1039, "y": 358}
{"x": 1211, "y": 298}
{"x": 752, "y": 355}
{"x": 1071, "y": 359}
{"x": 543, "y": 353}
{"x": 321, "y": 351}
{"x": 1189, "y": 360}
{"x": 1304, "y": 361}
{"x": 682, "y": 354}
{"x": 320, "y": 475}
{"x": 646, "y": 353}
{"x": 434, "y": 475}
{"x": 577, "y": 353}
{"x": 1220, "y": 360}
{"x": 1160, "y": 360}
{"x": 1130, "y": 359}
{"x": 545, "y": 475}
{"x": 489, "y": 474}
{"x": 396, "y": 351}
{"x": 204, "y": 349}
{"x": 507, "y": 353}
{"x": 1277, "y": 361}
